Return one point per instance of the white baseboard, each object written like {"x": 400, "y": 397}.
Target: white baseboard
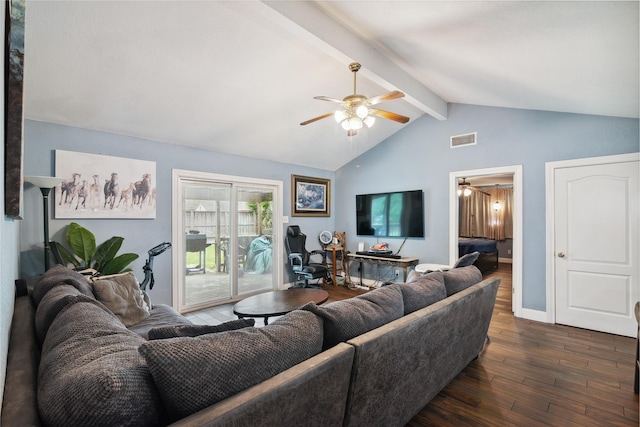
{"x": 505, "y": 260}
{"x": 537, "y": 315}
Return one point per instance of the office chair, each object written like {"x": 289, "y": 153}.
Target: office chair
{"x": 299, "y": 259}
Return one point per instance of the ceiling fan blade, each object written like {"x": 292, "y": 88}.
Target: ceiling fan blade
{"x": 389, "y": 115}
{"x": 315, "y": 119}
{"x": 386, "y": 97}
{"x": 328, "y": 98}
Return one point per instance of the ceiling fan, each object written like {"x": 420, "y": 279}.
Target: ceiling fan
{"x": 357, "y": 109}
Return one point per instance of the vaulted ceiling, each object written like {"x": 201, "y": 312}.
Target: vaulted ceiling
{"x": 239, "y": 76}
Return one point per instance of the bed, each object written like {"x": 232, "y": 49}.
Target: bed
{"x": 488, "y": 248}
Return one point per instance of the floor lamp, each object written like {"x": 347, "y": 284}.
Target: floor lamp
{"x": 45, "y": 183}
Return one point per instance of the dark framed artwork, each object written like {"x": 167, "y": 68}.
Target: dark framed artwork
{"x": 13, "y": 78}
{"x": 310, "y": 196}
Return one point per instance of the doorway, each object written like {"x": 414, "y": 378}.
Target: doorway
{"x": 516, "y": 173}
{"x": 226, "y": 238}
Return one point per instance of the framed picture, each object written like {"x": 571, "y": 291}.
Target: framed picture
{"x": 13, "y": 143}
{"x": 310, "y": 196}
{"x": 98, "y": 186}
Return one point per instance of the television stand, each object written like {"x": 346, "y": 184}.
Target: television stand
{"x": 401, "y": 262}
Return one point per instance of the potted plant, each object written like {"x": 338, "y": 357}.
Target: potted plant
{"x": 83, "y": 253}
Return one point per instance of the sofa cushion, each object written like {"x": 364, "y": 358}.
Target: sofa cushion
{"x": 174, "y": 331}
{"x": 122, "y": 295}
{"x": 195, "y": 372}
{"x": 424, "y": 291}
{"x": 57, "y": 275}
{"x": 159, "y": 316}
{"x": 349, "y": 318}
{"x": 92, "y": 374}
{"x": 50, "y": 305}
{"x": 458, "y": 279}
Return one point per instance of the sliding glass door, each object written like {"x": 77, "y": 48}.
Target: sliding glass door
{"x": 225, "y": 242}
{"x": 254, "y": 247}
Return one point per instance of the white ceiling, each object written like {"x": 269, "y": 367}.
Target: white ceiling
{"x": 238, "y": 77}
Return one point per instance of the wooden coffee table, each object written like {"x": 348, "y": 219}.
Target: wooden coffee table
{"x": 278, "y": 303}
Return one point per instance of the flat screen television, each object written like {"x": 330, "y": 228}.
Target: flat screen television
{"x": 398, "y": 214}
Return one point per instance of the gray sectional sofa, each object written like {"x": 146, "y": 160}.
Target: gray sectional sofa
{"x": 375, "y": 359}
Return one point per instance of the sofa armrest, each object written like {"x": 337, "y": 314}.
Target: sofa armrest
{"x": 19, "y": 405}
{"x": 312, "y": 393}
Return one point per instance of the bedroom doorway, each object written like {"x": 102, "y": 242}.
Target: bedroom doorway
{"x": 487, "y": 179}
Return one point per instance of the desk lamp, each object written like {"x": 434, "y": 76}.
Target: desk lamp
{"x": 45, "y": 183}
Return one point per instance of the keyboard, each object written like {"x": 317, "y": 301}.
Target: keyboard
{"x": 379, "y": 255}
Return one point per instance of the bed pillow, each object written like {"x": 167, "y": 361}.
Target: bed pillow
{"x": 192, "y": 373}
{"x": 349, "y": 318}
{"x": 424, "y": 291}
{"x": 467, "y": 259}
{"x": 122, "y": 295}
{"x": 458, "y": 279}
{"x": 174, "y": 331}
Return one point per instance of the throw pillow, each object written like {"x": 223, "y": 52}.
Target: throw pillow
{"x": 467, "y": 259}
{"x": 423, "y": 292}
{"x": 122, "y": 295}
{"x": 192, "y": 373}
{"x": 413, "y": 276}
{"x": 458, "y": 279}
{"x": 197, "y": 330}
{"x": 349, "y": 318}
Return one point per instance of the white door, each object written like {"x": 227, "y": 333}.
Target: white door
{"x": 596, "y": 246}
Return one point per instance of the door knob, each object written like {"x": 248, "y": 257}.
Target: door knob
{"x": 561, "y": 254}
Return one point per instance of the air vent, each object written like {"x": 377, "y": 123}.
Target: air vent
{"x": 463, "y": 140}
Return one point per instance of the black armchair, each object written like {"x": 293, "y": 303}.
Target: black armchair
{"x": 299, "y": 258}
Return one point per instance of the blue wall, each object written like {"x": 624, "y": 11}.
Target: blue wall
{"x": 419, "y": 157}
{"x": 41, "y": 141}
{"x": 416, "y": 157}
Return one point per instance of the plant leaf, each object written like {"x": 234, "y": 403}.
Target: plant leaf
{"x": 118, "y": 264}
{"x": 106, "y": 252}
{"x": 67, "y": 256}
{"x": 82, "y": 242}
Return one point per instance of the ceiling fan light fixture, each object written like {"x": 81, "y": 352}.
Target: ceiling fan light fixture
{"x": 356, "y": 113}
{"x": 355, "y": 123}
{"x": 362, "y": 111}
{"x": 340, "y": 115}
{"x": 369, "y": 121}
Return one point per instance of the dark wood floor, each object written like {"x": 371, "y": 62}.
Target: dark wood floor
{"x": 533, "y": 373}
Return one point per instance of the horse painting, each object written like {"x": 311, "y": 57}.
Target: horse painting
{"x": 141, "y": 191}
{"x": 127, "y": 196}
{"x": 94, "y": 193}
{"x": 69, "y": 189}
{"x": 111, "y": 190}
{"x": 83, "y": 192}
